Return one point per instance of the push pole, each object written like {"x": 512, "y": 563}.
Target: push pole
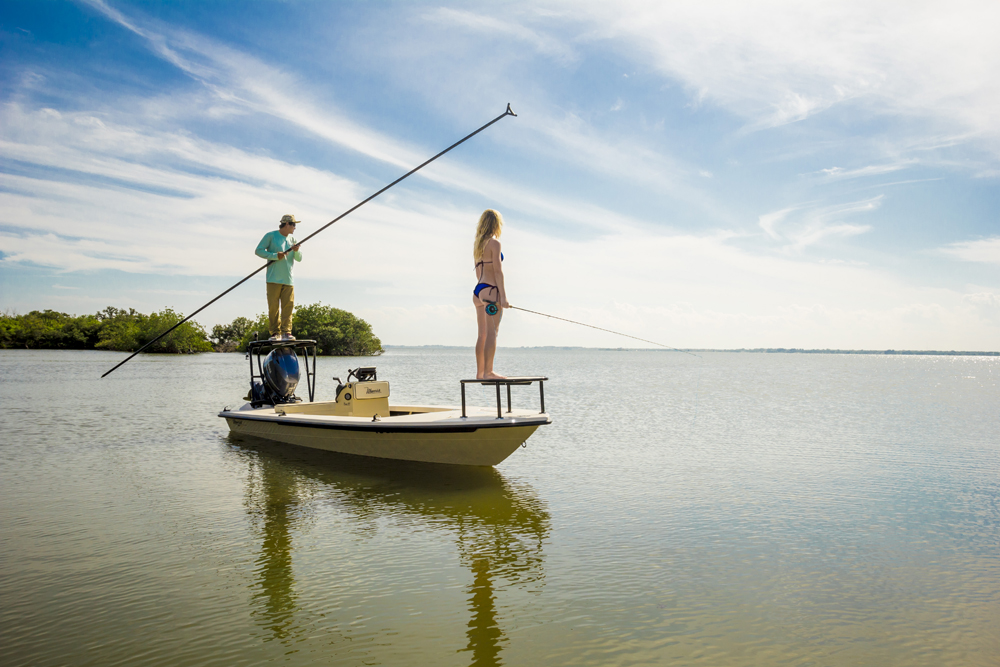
{"x": 506, "y": 113}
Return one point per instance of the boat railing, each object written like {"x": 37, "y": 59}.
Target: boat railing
{"x": 508, "y": 382}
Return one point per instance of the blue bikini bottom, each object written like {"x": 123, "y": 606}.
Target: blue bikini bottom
{"x": 480, "y": 287}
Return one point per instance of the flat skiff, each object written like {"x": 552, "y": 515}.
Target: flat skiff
{"x": 361, "y": 420}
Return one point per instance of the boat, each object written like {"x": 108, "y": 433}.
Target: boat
{"x": 362, "y": 421}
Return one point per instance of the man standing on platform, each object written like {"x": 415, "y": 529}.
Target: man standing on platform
{"x": 281, "y": 249}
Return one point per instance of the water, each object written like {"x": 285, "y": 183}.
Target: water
{"x": 738, "y": 509}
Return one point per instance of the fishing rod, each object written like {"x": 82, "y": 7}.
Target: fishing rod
{"x": 535, "y": 312}
{"x": 508, "y": 112}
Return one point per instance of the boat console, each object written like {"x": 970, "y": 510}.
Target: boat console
{"x": 365, "y": 397}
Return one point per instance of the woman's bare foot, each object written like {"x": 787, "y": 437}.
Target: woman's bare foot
{"x": 493, "y": 376}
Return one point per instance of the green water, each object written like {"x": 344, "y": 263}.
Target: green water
{"x": 738, "y": 509}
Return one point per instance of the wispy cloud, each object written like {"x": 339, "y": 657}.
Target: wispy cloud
{"x": 226, "y": 189}
{"x": 815, "y": 233}
{"x": 838, "y": 173}
{"x": 780, "y": 62}
{"x": 768, "y": 221}
{"x": 808, "y": 224}
{"x": 241, "y": 80}
{"x": 543, "y": 43}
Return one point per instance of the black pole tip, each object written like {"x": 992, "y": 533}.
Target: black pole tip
{"x": 510, "y": 112}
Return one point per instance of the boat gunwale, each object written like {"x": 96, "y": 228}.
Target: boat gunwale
{"x": 310, "y": 421}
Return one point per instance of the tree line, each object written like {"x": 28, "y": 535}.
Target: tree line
{"x": 336, "y": 332}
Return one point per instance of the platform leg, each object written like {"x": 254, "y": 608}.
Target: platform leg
{"x": 499, "y": 414}
{"x": 508, "y": 399}
{"x": 541, "y": 394}
{"x": 463, "y": 400}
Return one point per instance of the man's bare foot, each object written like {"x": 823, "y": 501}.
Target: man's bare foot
{"x": 494, "y": 376}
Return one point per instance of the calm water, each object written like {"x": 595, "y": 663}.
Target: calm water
{"x": 738, "y": 509}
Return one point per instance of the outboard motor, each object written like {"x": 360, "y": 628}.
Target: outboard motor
{"x": 275, "y": 376}
{"x": 281, "y": 377}
{"x": 281, "y": 372}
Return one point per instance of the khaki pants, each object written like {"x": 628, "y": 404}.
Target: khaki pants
{"x": 283, "y": 295}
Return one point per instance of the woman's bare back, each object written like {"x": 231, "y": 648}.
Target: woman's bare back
{"x": 485, "y": 268}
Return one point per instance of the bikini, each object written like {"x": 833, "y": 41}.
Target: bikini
{"x": 481, "y": 286}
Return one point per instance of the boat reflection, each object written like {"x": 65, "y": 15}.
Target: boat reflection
{"x": 499, "y": 526}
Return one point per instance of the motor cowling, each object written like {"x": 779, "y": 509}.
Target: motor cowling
{"x": 281, "y": 372}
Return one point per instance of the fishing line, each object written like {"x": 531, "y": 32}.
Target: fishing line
{"x": 618, "y": 333}
{"x": 506, "y": 113}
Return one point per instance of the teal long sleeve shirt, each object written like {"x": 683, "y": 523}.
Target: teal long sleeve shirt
{"x": 280, "y": 270}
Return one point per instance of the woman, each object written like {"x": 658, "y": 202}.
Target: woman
{"x": 489, "y": 291}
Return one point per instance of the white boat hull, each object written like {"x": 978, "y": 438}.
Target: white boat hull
{"x": 440, "y": 435}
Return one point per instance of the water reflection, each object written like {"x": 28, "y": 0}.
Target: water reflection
{"x": 499, "y": 526}
{"x": 272, "y": 499}
{"x": 484, "y": 633}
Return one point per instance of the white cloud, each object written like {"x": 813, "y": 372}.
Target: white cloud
{"x": 776, "y": 62}
{"x": 697, "y": 291}
{"x": 985, "y": 299}
{"x": 982, "y": 250}
{"x": 66, "y": 254}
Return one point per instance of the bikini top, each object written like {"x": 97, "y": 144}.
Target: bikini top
{"x": 481, "y": 263}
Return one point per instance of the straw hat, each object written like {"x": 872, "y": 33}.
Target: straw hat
{"x": 285, "y": 219}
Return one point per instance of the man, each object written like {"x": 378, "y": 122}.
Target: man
{"x": 281, "y": 249}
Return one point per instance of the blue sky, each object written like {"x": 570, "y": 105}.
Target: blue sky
{"x": 717, "y": 175}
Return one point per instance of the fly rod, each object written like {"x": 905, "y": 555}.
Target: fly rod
{"x": 618, "y": 333}
{"x": 506, "y": 113}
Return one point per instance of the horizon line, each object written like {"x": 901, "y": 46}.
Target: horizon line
{"x": 759, "y": 350}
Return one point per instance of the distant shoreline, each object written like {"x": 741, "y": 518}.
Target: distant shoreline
{"x": 757, "y": 350}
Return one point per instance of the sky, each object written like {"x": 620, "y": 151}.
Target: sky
{"x": 704, "y": 175}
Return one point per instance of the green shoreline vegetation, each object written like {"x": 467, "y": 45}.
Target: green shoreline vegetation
{"x": 336, "y": 332}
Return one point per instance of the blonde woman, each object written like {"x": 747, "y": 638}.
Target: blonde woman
{"x": 489, "y": 295}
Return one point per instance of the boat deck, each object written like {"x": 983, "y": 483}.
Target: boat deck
{"x": 400, "y": 416}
